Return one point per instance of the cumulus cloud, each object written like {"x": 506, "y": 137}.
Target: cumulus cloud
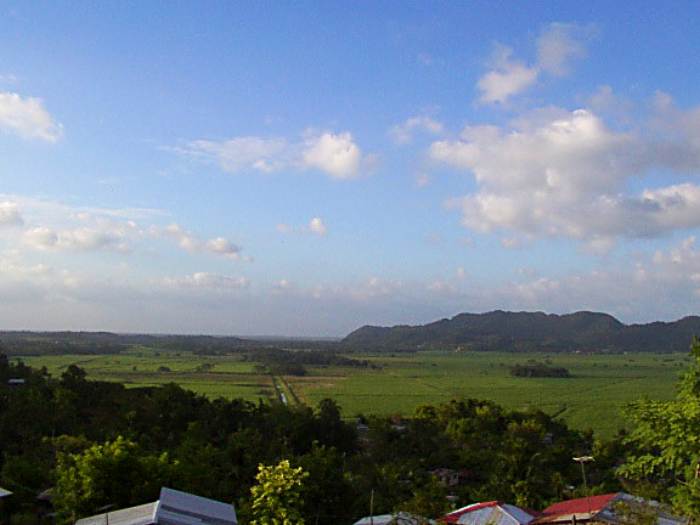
{"x": 55, "y": 226}
{"x": 337, "y": 155}
{"x": 193, "y": 243}
{"x": 557, "y": 46}
{"x": 10, "y": 214}
{"x": 41, "y": 238}
{"x": 334, "y": 154}
{"x": 80, "y": 239}
{"x": 403, "y": 133}
{"x": 506, "y": 78}
{"x": 27, "y": 118}
{"x": 567, "y": 176}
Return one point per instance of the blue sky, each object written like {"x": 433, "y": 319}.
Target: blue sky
{"x": 306, "y": 168}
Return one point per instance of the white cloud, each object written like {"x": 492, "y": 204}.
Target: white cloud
{"x": 10, "y": 214}
{"x": 78, "y": 239}
{"x": 334, "y": 154}
{"x": 566, "y": 177}
{"x": 337, "y": 155}
{"x": 403, "y": 133}
{"x": 27, "y": 117}
{"x": 507, "y": 78}
{"x": 193, "y": 243}
{"x": 55, "y": 226}
{"x": 317, "y": 226}
{"x": 211, "y": 281}
{"x": 557, "y": 46}
{"x": 41, "y": 238}
{"x": 244, "y": 153}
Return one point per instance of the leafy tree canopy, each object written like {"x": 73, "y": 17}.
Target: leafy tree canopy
{"x": 277, "y": 495}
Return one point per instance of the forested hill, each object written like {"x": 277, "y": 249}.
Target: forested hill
{"x": 531, "y": 331}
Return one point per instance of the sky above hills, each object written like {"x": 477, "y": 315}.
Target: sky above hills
{"x": 310, "y": 167}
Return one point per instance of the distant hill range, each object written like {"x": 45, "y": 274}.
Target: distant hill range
{"x": 529, "y": 332}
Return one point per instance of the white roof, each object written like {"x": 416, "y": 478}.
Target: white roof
{"x": 4, "y": 492}
{"x": 173, "y": 508}
{"x": 140, "y": 515}
{"x": 400, "y": 518}
{"x": 500, "y": 514}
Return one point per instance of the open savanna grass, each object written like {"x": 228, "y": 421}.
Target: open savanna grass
{"x": 227, "y": 377}
{"x": 593, "y": 398}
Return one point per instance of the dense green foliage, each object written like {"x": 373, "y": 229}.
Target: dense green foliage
{"x": 96, "y": 442}
{"x": 536, "y": 369}
{"x": 530, "y": 332}
{"x": 100, "y": 444}
{"x": 117, "y": 473}
{"x": 664, "y": 448}
{"x": 277, "y": 495}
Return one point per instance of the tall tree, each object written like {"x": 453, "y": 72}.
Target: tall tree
{"x": 664, "y": 461}
{"x": 277, "y": 495}
{"x": 117, "y": 473}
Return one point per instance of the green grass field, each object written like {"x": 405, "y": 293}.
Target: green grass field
{"x": 593, "y": 398}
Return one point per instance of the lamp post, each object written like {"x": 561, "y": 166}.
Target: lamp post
{"x": 582, "y": 460}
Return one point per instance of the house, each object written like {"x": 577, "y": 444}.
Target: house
{"x": 172, "y": 508}
{"x": 604, "y": 509}
{"x": 490, "y": 513}
{"x": 400, "y": 518}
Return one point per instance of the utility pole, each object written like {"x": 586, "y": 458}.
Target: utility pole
{"x": 371, "y": 507}
{"x": 582, "y": 460}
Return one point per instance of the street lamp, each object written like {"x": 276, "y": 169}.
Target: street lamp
{"x": 582, "y": 460}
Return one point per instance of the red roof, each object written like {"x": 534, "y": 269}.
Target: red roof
{"x": 580, "y": 505}
{"x": 453, "y": 517}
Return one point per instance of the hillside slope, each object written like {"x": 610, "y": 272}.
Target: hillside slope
{"x": 531, "y": 331}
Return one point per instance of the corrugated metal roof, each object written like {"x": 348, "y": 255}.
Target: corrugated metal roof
{"x": 140, "y": 515}
{"x": 4, "y": 492}
{"x": 400, "y": 518}
{"x": 453, "y": 517}
{"x": 181, "y": 508}
{"x": 489, "y": 512}
{"x": 591, "y": 504}
{"x": 602, "y": 508}
{"x": 173, "y": 508}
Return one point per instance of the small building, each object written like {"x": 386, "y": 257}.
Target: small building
{"x": 604, "y": 509}
{"x": 399, "y": 518}
{"x": 4, "y": 493}
{"x": 490, "y": 513}
{"x": 172, "y": 508}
